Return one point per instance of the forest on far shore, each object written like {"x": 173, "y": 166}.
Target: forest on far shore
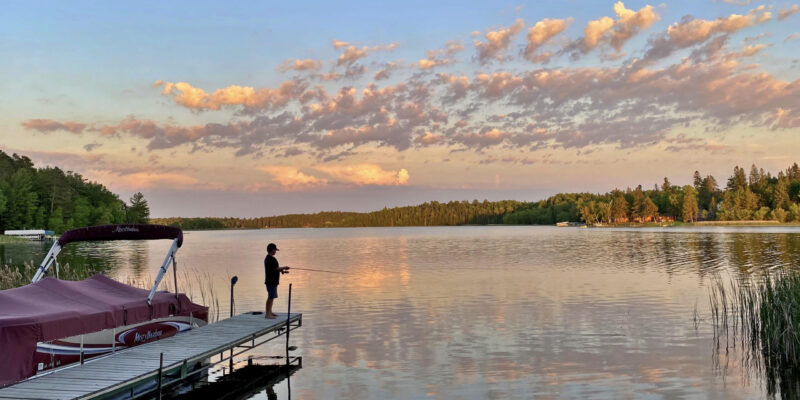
{"x": 745, "y": 196}
{"x": 50, "y": 198}
{"x": 53, "y": 199}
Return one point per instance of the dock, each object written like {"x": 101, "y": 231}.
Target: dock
{"x": 141, "y": 371}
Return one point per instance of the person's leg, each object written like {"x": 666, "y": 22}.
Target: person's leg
{"x": 272, "y": 294}
{"x": 269, "y": 308}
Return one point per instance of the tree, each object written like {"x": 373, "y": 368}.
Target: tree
{"x": 780, "y": 196}
{"x": 56, "y": 221}
{"x": 2, "y": 201}
{"x": 619, "y": 207}
{"x": 689, "y": 209}
{"x": 138, "y": 211}
{"x": 698, "y": 182}
{"x": 649, "y": 209}
{"x": 738, "y": 181}
{"x": 81, "y": 210}
{"x": 21, "y": 207}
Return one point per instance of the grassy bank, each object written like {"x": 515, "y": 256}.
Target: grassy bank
{"x": 11, "y": 239}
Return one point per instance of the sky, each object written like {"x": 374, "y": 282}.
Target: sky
{"x": 256, "y": 108}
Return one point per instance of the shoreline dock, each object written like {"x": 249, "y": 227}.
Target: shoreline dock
{"x": 143, "y": 370}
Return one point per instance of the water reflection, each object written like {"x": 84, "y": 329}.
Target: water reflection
{"x": 495, "y": 312}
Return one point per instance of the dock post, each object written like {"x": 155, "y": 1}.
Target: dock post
{"x": 81, "y": 357}
{"x": 288, "y": 318}
{"x": 160, "y": 370}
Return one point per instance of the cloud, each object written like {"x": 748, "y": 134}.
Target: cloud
{"x": 426, "y": 64}
{"x": 429, "y": 139}
{"x": 486, "y": 138}
{"x": 793, "y": 36}
{"x": 630, "y": 22}
{"x": 541, "y": 33}
{"x": 300, "y": 65}
{"x": 682, "y": 143}
{"x": 386, "y": 72}
{"x": 290, "y": 177}
{"x": 595, "y": 30}
{"x": 91, "y": 146}
{"x": 338, "y": 44}
{"x": 613, "y": 33}
{"x": 366, "y": 174}
{"x": 440, "y": 57}
{"x": 49, "y": 125}
{"x": 497, "y": 42}
{"x": 145, "y": 178}
{"x": 195, "y": 98}
{"x": 690, "y": 31}
{"x": 787, "y": 12}
{"x": 352, "y": 54}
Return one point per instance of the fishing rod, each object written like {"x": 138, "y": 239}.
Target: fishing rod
{"x": 315, "y": 270}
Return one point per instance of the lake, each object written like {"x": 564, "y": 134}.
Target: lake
{"x": 480, "y": 312}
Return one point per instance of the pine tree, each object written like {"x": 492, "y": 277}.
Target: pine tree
{"x": 689, "y": 209}
{"x": 138, "y": 211}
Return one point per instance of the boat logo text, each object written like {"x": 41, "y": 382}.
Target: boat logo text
{"x": 150, "y": 335}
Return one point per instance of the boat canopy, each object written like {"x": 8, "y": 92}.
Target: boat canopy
{"x": 54, "y": 309}
{"x": 116, "y": 232}
{"x": 122, "y": 232}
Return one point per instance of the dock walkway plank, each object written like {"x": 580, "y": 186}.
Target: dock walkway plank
{"x": 126, "y": 367}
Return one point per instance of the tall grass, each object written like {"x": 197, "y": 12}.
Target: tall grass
{"x": 763, "y": 317}
{"x": 11, "y": 239}
{"x": 197, "y": 286}
{"x": 12, "y": 276}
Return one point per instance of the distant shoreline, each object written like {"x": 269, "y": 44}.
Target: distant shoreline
{"x": 698, "y": 224}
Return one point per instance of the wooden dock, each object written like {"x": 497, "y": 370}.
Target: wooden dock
{"x": 134, "y": 372}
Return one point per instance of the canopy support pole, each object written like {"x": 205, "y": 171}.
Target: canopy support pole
{"x": 49, "y": 259}
{"x": 163, "y": 269}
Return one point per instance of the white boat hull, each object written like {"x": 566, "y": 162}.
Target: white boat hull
{"x": 58, "y": 353}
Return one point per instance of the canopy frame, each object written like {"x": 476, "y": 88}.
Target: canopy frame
{"x": 118, "y": 232}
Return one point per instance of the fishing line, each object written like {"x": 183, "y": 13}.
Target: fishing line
{"x": 316, "y": 270}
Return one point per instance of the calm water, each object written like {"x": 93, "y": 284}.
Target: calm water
{"x": 485, "y": 312}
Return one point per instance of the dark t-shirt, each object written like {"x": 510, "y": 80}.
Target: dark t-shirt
{"x": 273, "y": 277}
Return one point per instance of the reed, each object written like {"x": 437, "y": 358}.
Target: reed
{"x": 11, "y": 239}
{"x": 198, "y": 286}
{"x": 765, "y": 315}
{"x": 12, "y": 276}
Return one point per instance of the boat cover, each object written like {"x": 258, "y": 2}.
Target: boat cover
{"x": 122, "y": 232}
{"x": 54, "y": 309}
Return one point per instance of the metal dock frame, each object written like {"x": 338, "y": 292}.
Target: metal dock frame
{"x": 139, "y": 371}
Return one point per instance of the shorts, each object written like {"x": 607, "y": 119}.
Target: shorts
{"x": 272, "y": 291}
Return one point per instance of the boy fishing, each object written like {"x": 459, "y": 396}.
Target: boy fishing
{"x": 272, "y": 272}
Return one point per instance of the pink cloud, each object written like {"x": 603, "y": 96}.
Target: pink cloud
{"x": 497, "y": 42}
{"x": 541, "y": 33}
{"x": 300, "y": 65}
{"x": 49, "y": 125}
{"x": 367, "y": 174}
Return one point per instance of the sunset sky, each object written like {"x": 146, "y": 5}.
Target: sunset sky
{"x": 260, "y": 108}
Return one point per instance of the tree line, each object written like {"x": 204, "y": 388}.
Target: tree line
{"x": 431, "y": 213}
{"x": 57, "y": 200}
{"x": 757, "y": 195}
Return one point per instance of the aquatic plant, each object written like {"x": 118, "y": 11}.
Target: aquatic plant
{"x": 12, "y": 276}
{"x": 11, "y": 239}
{"x": 196, "y": 285}
{"x": 765, "y": 314}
